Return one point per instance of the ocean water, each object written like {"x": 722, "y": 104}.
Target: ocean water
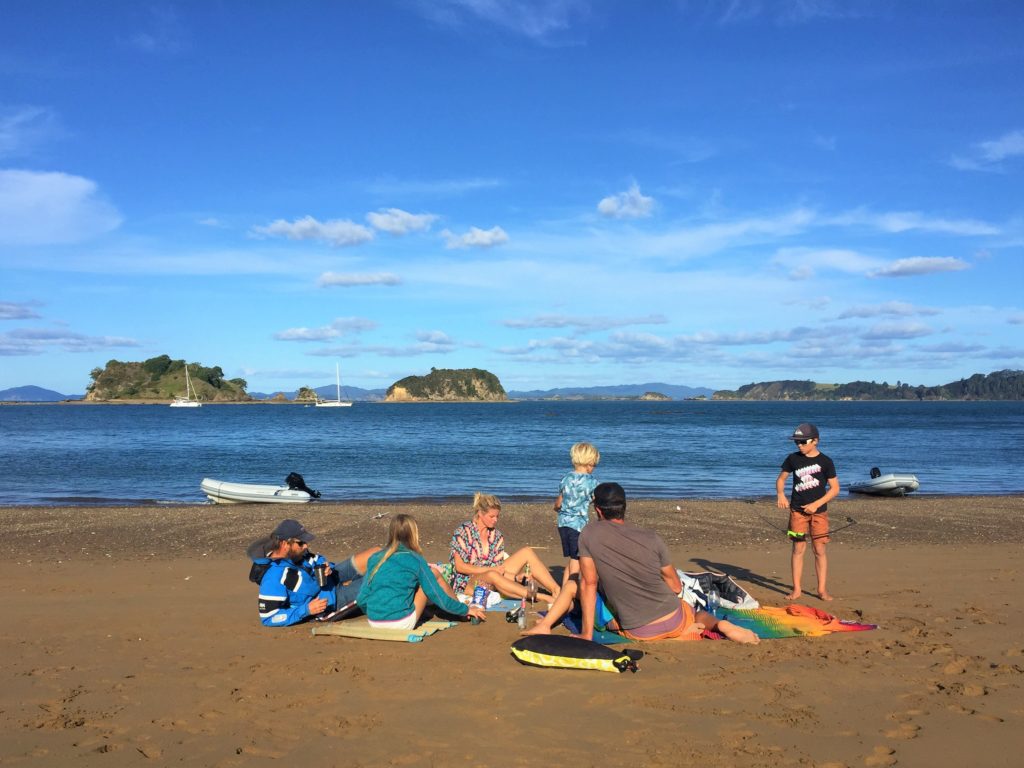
{"x": 81, "y": 455}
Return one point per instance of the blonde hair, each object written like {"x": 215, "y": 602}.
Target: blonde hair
{"x": 403, "y": 530}
{"x": 484, "y": 501}
{"x": 584, "y": 455}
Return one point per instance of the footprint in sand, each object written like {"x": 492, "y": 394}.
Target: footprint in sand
{"x": 903, "y": 731}
{"x": 881, "y": 756}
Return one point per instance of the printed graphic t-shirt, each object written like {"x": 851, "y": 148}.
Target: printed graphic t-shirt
{"x": 810, "y": 478}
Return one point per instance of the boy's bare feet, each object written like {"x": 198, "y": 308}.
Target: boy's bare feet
{"x": 822, "y": 594}
{"x": 794, "y": 595}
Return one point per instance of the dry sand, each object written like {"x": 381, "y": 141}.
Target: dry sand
{"x": 131, "y": 638}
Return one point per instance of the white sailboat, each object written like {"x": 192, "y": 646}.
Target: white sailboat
{"x": 190, "y": 399}
{"x": 338, "y": 403}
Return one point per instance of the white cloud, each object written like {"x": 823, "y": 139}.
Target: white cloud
{"x": 906, "y": 221}
{"x": 889, "y": 308}
{"x": 539, "y": 21}
{"x": 631, "y": 204}
{"x": 920, "y": 265}
{"x": 22, "y": 129}
{"x": 13, "y": 310}
{"x": 164, "y": 35}
{"x": 354, "y": 279}
{"x": 336, "y": 232}
{"x": 804, "y": 263}
{"x": 1008, "y": 145}
{"x": 434, "y": 188}
{"x": 475, "y": 238}
{"x": 43, "y": 208}
{"x": 897, "y": 331}
{"x": 427, "y": 343}
{"x": 583, "y": 324}
{"x": 989, "y": 155}
{"x": 399, "y": 222}
{"x": 36, "y": 341}
{"x": 339, "y": 327}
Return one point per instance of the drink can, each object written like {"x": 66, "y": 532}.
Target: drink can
{"x": 480, "y": 596}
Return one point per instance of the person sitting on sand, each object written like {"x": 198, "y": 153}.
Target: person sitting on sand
{"x": 478, "y": 554}
{"x": 399, "y": 582}
{"x": 638, "y": 580}
{"x": 289, "y": 590}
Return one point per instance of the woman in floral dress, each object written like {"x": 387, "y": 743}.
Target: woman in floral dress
{"x": 478, "y": 555}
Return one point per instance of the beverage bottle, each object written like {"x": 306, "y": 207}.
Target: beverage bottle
{"x": 531, "y": 588}
{"x": 521, "y": 620}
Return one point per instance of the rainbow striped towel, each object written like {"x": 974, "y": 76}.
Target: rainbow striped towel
{"x": 788, "y": 621}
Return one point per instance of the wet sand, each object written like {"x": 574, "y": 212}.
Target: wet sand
{"x": 132, "y": 639}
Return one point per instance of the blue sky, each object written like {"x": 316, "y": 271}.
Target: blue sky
{"x": 575, "y": 192}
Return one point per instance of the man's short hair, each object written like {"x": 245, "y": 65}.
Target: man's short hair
{"x": 611, "y": 500}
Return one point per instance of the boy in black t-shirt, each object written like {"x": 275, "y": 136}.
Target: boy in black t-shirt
{"x": 814, "y": 485}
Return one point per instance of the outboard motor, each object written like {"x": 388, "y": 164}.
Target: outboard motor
{"x": 296, "y": 483}
{"x": 875, "y": 472}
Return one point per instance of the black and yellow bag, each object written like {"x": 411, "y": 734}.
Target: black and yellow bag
{"x": 564, "y": 652}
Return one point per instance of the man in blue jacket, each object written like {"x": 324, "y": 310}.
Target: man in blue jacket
{"x": 289, "y": 589}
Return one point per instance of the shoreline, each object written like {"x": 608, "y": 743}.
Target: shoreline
{"x": 754, "y": 522}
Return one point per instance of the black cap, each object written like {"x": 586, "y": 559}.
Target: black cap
{"x": 292, "y": 529}
{"x": 804, "y": 431}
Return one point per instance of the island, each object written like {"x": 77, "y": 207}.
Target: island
{"x": 161, "y": 379}
{"x": 448, "y": 385}
{"x": 1000, "y": 385}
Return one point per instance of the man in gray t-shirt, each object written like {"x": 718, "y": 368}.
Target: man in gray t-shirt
{"x": 637, "y": 579}
{"x": 631, "y": 564}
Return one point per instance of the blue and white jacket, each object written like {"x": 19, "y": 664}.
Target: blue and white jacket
{"x": 287, "y": 588}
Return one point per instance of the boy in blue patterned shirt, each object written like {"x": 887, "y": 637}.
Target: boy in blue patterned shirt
{"x": 575, "y": 493}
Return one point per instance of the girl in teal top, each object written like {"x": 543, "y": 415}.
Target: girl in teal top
{"x": 399, "y": 583}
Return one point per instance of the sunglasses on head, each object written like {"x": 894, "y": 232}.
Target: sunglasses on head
{"x": 806, "y": 441}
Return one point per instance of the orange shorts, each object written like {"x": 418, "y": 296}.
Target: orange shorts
{"x": 670, "y": 628}
{"x": 815, "y": 523}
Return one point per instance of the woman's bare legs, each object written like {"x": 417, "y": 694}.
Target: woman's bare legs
{"x": 509, "y": 587}
{"x": 516, "y": 562}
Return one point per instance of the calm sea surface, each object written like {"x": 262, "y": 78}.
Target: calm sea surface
{"x": 689, "y": 449}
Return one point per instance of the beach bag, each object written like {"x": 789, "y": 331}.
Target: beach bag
{"x": 564, "y": 652}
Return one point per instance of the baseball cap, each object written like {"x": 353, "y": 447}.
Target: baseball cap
{"x": 292, "y": 529}
{"x": 804, "y": 431}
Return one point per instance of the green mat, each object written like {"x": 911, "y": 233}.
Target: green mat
{"x": 359, "y": 627}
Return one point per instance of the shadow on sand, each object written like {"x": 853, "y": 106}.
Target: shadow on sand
{"x": 742, "y": 574}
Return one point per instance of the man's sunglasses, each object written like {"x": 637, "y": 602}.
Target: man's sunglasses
{"x": 808, "y": 441}
{"x": 297, "y": 542}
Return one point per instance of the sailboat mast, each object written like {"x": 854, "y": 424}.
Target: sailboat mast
{"x": 337, "y": 379}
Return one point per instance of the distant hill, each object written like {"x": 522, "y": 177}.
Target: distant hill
{"x": 617, "y": 391}
{"x": 34, "y": 394}
{"x": 1000, "y": 385}
{"x": 446, "y": 384}
{"x": 328, "y": 392}
{"x": 161, "y": 378}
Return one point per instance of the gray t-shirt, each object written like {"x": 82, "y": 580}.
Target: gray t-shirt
{"x": 629, "y": 562}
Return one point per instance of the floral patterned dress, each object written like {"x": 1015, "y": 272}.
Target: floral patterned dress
{"x": 474, "y": 550}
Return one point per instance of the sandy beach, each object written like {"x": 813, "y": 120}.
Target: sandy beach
{"x": 132, "y": 639}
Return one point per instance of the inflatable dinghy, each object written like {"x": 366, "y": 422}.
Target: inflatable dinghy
{"x": 892, "y": 484}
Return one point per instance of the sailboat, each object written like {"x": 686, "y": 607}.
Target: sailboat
{"x": 338, "y": 403}
{"x": 190, "y": 399}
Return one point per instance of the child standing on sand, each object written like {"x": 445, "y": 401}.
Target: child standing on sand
{"x": 814, "y": 485}
{"x": 575, "y": 493}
